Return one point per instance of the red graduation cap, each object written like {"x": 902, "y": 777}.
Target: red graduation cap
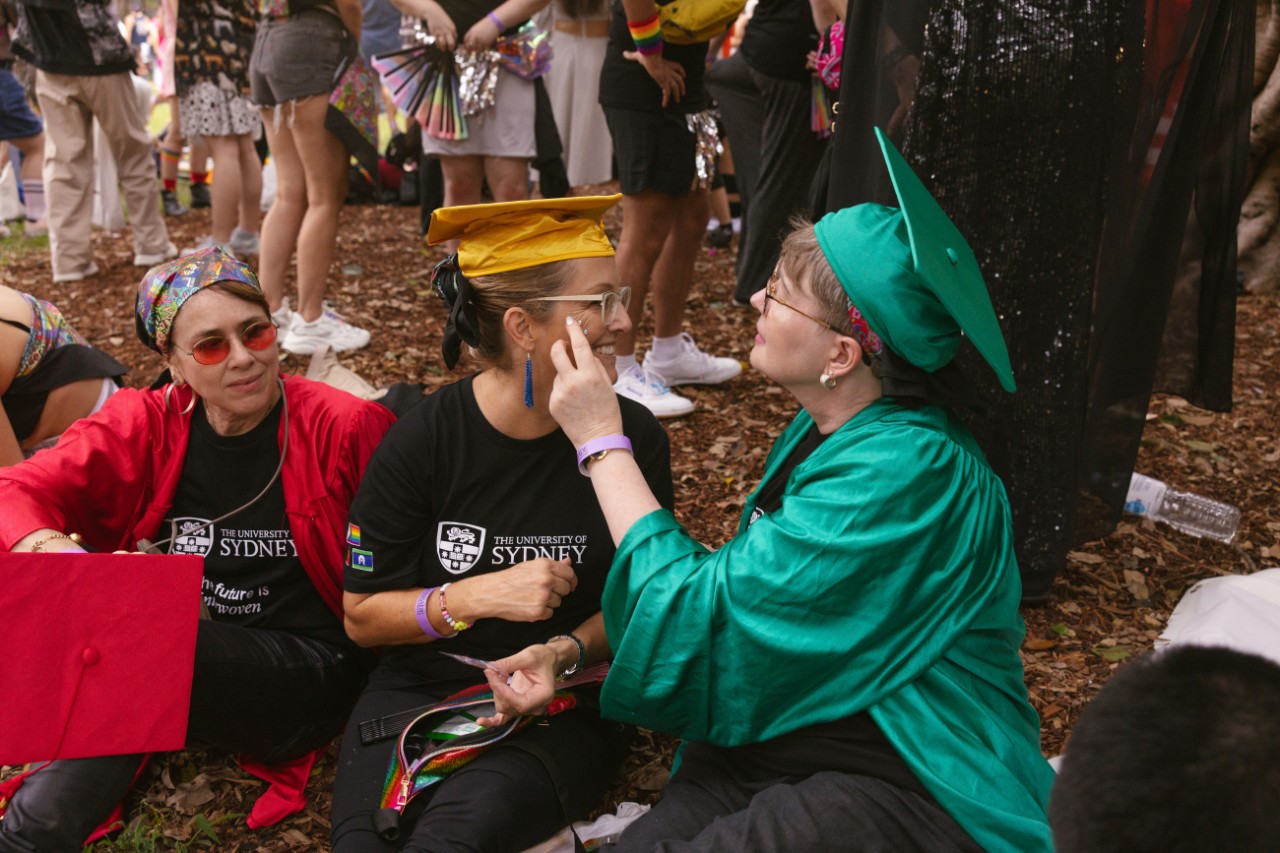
{"x": 96, "y": 653}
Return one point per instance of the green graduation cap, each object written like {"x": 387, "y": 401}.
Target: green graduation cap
{"x": 912, "y": 275}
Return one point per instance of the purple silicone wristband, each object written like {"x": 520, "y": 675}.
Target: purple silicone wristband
{"x": 604, "y": 442}
{"x": 420, "y": 610}
{"x": 496, "y": 21}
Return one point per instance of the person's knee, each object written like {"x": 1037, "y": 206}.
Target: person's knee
{"x": 646, "y": 223}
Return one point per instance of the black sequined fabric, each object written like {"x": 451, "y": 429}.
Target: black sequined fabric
{"x": 1033, "y": 124}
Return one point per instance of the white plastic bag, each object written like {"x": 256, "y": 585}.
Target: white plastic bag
{"x": 1241, "y": 612}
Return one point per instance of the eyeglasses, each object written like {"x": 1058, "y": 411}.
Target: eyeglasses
{"x": 770, "y": 292}
{"x": 609, "y": 302}
{"x": 215, "y": 348}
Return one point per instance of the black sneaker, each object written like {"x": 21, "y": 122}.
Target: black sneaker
{"x": 721, "y": 236}
{"x": 169, "y": 200}
{"x": 200, "y": 195}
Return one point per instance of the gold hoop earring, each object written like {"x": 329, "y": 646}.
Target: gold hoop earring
{"x": 168, "y": 394}
{"x": 828, "y": 381}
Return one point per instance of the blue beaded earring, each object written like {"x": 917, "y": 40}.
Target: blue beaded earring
{"x": 528, "y": 381}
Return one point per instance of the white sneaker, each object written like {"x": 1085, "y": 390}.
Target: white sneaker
{"x": 692, "y": 366}
{"x": 244, "y": 242}
{"x": 637, "y": 383}
{"x": 150, "y": 259}
{"x": 303, "y": 338}
{"x": 62, "y": 277}
{"x": 282, "y": 316}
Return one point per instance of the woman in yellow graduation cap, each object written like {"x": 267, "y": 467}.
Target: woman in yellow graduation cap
{"x": 475, "y": 535}
{"x": 845, "y": 671}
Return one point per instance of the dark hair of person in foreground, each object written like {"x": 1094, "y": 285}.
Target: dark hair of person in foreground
{"x": 1179, "y": 752}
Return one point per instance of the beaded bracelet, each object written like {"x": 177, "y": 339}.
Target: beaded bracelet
{"x": 455, "y": 624}
{"x": 582, "y": 654}
{"x": 647, "y": 35}
{"x": 37, "y": 547}
{"x": 496, "y": 21}
{"x": 424, "y": 621}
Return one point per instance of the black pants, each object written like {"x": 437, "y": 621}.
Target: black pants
{"x": 507, "y": 799}
{"x": 273, "y": 695}
{"x": 711, "y": 804}
{"x": 775, "y": 154}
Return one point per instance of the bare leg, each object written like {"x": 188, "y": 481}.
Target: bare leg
{"x": 463, "y": 180}
{"x": 508, "y": 177}
{"x": 324, "y": 165}
{"x": 281, "y": 225}
{"x": 31, "y": 175}
{"x": 226, "y": 185}
{"x": 646, "y": 219}
{"x": 250, "y": 214}
{"x": 673, "y": 272}
{"x": 463, "y": 183}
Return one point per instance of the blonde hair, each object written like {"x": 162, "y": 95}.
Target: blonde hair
{"x": 803, "y": 261}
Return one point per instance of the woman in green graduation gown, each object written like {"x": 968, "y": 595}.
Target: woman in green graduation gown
{"x": 845, "y": 670}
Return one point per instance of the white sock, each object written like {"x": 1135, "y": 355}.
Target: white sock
{"x": 623, "y": 363}
{"x": 667, "y": 349}
{"x": 33, "y": 193}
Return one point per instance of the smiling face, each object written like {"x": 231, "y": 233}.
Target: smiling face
{"x": 588, "y": 277}
{"x": 240, "y": 390}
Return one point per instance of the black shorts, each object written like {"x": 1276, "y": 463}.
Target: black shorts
{"x": 654, "y": 150}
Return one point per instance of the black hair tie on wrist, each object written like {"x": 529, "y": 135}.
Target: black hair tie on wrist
{"x": 455, "y": 289}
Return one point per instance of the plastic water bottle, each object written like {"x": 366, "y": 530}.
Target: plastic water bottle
{"x": 1190, "y": 513}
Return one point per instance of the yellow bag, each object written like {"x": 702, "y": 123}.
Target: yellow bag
{"x": 693, "y": 21}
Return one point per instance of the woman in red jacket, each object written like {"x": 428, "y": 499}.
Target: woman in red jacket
{"x": 231, "y": 462}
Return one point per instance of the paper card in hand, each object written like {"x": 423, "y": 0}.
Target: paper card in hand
{"x": 98, "y": 652}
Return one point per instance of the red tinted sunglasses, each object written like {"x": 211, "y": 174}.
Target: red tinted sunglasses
{"x": 215, "y": 348}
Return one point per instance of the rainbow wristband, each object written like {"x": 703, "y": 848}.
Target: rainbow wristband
{"x": 420, "y": 610}
{"x": 647, "y": 35}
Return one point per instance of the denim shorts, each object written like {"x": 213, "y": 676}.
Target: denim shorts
{"x": 17, "y": 121}
{"x": 298, "y": 57}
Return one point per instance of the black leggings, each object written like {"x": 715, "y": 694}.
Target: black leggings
{"x": 713, "y": 803}
{"x": 273, "y": 695}
{"x": 504, "y": 800}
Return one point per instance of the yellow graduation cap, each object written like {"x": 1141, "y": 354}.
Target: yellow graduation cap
{"x": 512, "y": 235}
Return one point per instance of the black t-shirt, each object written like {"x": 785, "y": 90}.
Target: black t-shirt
{"x": 447, "y": 496}
{"x": 77, "y": 37}
{"x": 779, "y": 37}
{"x": 626, "y": 85}
{"x": 854, "y": 744}
{"x": 252, "y": 574}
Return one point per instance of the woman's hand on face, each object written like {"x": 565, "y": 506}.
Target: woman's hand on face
{"x": 582, "y": 398}
{"x": 526, "y": 592}
{"x": 528, "y": 690}
{"x": 482, "y": 34}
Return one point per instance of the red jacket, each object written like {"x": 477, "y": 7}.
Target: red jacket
{"x": 112, "y": 476}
